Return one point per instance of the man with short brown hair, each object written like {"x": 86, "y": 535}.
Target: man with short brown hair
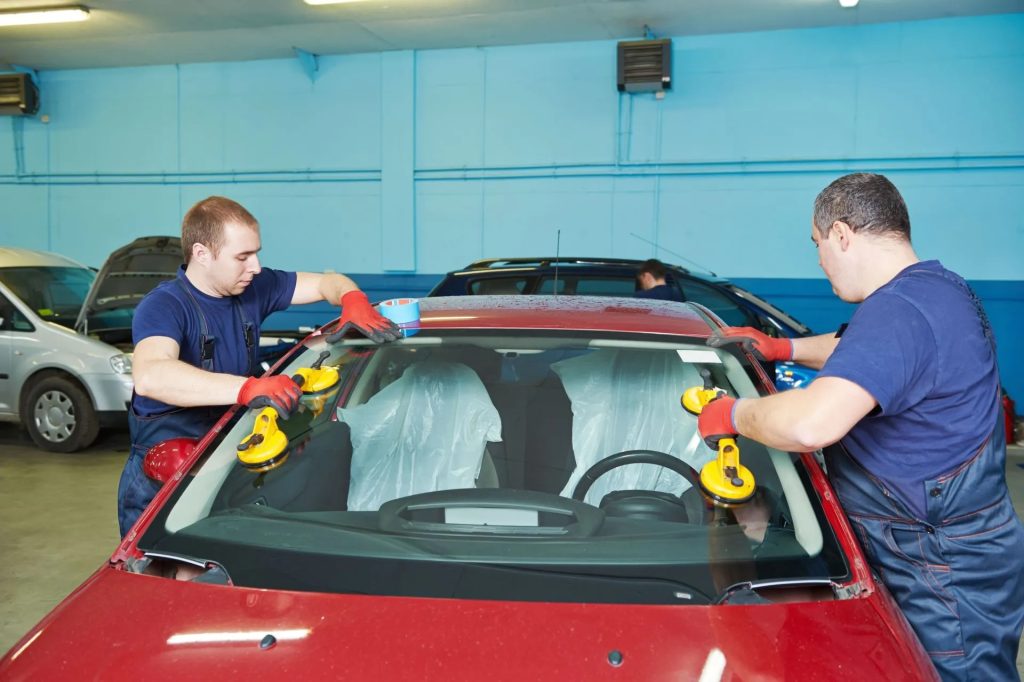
{"x": 197, "y": 336}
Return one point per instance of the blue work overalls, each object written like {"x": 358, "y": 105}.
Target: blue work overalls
{"x": 958, "y": 574}
{"x": 135, "y": 490}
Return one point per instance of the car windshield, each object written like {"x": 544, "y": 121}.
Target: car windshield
{"x": 54, "y": 293}
{"x": 486, "y": 465}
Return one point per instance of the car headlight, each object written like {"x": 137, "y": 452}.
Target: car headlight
{"x": 121, "y": 364}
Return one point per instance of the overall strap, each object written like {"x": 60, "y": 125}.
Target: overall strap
{"x": 249, "y": 332}
{"x": 206, "y": 342}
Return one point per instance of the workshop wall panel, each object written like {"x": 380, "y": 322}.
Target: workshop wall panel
{"x": 485, "y": 152}
{"x": 87, "y": 222}
{"x": 111, "y": 122}
{"x": 268, "y": 116}
{"x": 24, "y": 219}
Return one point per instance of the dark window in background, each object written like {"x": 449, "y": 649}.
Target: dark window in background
{"x": 718, "y": 303}
{"x": 498, "y": 285}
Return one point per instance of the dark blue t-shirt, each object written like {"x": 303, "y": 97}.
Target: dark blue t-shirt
{"x": 919, "y": 346}
{"x": 664, "y": 292}
{"x": 166, "y": 311}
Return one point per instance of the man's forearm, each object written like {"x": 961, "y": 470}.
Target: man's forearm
{"x": 178, "y": 383}
{"x": 813, "y": 351}
{"x": 333, "y": 286}
{"x": 804, "y": 419}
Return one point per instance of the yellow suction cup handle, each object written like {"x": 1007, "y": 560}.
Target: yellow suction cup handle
{"x": 260, "y": 450}
{"x": 315, "y": 380}
{"x": 724, "y": 479}
{"x": 695, "y": 398}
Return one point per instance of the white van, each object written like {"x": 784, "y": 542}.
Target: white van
{"x": 63, "y": 384}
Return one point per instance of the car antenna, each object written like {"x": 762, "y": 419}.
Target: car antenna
{"x": 558, "y": 244}
{"x": 656, "y": 246}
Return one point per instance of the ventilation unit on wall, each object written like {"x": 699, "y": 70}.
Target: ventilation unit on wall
{"x": 645, "y": 65}
{"x": 18, "y": 95}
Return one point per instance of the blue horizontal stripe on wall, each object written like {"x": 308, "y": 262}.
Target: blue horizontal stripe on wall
{"x": 809, "y": 300}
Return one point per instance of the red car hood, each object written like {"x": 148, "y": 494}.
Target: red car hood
{"x": 126, "y": 626}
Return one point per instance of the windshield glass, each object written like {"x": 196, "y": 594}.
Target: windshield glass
{"x": 479, "y": 465}
{"x": 55, "y": 294}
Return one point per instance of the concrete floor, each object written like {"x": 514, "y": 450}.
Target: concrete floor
{"x": 58, "y": 522}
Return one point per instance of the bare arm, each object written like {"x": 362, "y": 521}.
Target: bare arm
{"x": 311, "y": 287}
{"x": 159, "y": 374}
{"x": 813, "y": 351}
{"x": 804, "y": 419}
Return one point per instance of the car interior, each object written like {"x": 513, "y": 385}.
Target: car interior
{"x": 500, "y": 433}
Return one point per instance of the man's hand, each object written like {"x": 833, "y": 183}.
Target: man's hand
{"x": 358, "y": 314}
{"x": 764, "y": 347}
{"x": 278, "y": 391}
{"x": 715, "y": 421}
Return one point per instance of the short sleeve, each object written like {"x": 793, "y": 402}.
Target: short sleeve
{"x": 888, "y": 350}
{"x": 159, "y": 314}
{"x": 275, "y": 290}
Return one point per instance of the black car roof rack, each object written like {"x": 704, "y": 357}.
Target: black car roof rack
{"x": 544, "y": 262}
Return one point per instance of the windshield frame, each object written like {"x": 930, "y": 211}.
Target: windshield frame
{"x": 156, "y": 538}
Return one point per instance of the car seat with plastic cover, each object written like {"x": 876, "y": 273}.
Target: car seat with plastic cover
{"x": 424, "y": 432}
{"x": 628, "y": 399}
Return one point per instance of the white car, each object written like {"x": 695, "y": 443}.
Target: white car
{"x": 65, "y": 338}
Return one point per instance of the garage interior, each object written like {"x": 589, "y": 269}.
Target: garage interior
{"x": 398, "y": 141}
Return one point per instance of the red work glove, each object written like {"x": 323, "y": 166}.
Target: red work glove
{"x": 278, "y": 391}
{"x": 715, "y": 421}
{"x": 358, "y": 314}
{"x": 764, "y": 347}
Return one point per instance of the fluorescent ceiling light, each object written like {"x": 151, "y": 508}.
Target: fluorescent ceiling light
{"x": 328, "y": 2}
{"x": 43, "y": 15}
{"x": 848, "y": 3}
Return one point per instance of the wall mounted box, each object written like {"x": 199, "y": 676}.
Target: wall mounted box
{"x": 19, "y": 95}
{"x": 645, "y": 65}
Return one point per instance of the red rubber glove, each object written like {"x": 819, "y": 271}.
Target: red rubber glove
{"x": 278, "y": 391}
{"x": 715, "y": 421}
{"x": 357, "y": 313}
{"x": 765, "y": 348}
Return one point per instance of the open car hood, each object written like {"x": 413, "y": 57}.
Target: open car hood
{"x": 124, "y": 625}
{"x": 129, "y": 273}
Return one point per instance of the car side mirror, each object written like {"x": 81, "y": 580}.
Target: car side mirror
{"x": 166, "y": 457}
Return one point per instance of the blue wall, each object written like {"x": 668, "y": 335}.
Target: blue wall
{"x": 419, "y": 162}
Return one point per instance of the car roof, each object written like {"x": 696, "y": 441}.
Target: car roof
{"x": 571, "y": 264}
{"x": 571, "y": 313}
{"x": 13, "y": 257}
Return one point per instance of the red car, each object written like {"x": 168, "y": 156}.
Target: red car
{"x": 509, "y": 492}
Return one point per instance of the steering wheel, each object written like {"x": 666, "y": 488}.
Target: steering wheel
{"x": 621, "y": 459}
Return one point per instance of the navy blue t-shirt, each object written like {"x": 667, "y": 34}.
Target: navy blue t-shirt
{"x": 663, "y": 292}
{"x": 919, "y": 346}
{"x": 166, "y": 311}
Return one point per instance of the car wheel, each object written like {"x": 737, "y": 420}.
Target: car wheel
{"x": 59, "y": 415}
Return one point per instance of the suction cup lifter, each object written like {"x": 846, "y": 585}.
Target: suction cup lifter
{"x": 723, "y": 480}
{"x": 265, "y": 448}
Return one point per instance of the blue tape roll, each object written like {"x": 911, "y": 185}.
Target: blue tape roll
{"x": 401, "y": 310}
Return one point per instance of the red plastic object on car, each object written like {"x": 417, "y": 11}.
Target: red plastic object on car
{"x": 164, "y": 458}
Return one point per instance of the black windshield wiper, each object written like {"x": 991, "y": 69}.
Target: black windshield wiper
{"x": 680, "y": 591}
{"x": 746, "y": 592}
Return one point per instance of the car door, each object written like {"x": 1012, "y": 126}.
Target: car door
{"x": 13, "y": 328}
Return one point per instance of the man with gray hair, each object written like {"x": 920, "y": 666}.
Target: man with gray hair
{"x": 909, "y": 393}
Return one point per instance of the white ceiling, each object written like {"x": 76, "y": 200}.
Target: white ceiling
{"x": 137, "y": 32}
